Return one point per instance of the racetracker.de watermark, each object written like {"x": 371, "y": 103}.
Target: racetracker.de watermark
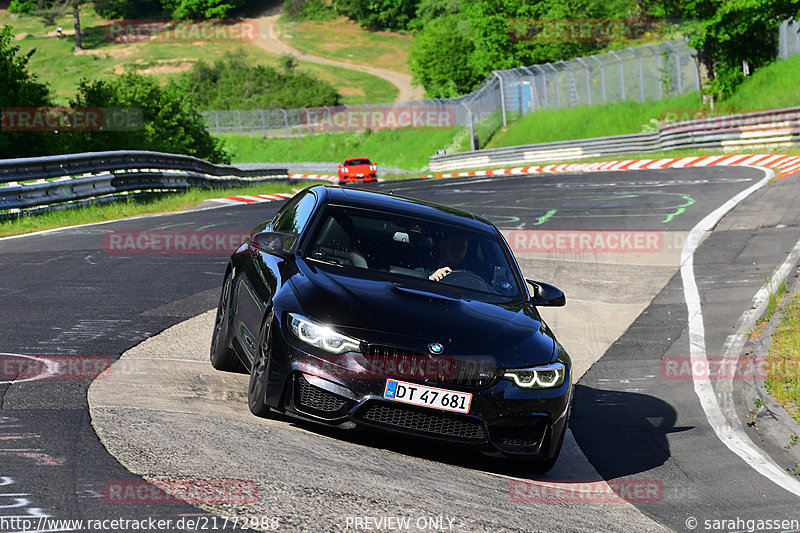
{"x": 173, "y": 242}
{"x": 360, "y": 118}
{"x": 588, "y": 30}
{"x": 729, "y": 119}
{"x": 34, "y": 367}
{"x": 728, "y": 368}
{"x": 133, "y": 31}
{"x": 580, "y": 241}
{"x": 70, "y": 119}
{"x": 612, "y": 491}
{"x": 408, "y": 366}
{"x": 201, "y": 491}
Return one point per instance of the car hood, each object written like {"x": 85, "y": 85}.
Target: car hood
{"x": 408, "y": 313}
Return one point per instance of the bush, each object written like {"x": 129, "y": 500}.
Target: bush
{"x": 234, "y": 83}
{"x": 169, "y": 121}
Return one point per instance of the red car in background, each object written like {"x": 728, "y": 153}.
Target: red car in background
{"x": 358, "y": 169}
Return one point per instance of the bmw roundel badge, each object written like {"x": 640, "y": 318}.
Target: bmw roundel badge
{"x": 435, "y": 348}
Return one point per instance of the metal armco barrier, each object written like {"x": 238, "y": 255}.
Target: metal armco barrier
{"x": 52, "y": 180}
{"x": 776, "y": 127}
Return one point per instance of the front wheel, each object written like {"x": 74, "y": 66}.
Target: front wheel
{"x": 222, "y": 355}
{"x": 257, "y": 388}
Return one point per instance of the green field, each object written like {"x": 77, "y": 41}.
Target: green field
{"x": 344, "y": 40}
{"x": 406, "y": 149}
{"x": 56, "y": 63}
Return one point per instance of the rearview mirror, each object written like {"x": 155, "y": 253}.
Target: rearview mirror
{"x": 546, "y": 295}
{"x": 272, "y": 242}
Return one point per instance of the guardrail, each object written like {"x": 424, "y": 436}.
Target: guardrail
{"x": 44, "y": 183}
{"x": 776, "y": 127}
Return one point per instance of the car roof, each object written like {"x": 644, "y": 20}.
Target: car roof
{"x": 412, "y": 207}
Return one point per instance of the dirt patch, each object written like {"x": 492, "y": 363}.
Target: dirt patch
{"x": 163, "y": 66}
{"x": 108, "y": 52}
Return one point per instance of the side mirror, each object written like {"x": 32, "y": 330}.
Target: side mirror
{"x": 546, "y": 295}
{"x": 273, "y": 243}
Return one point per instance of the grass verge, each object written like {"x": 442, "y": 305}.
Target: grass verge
{"x": 783, "y": 359}
{"x": 149, "y": 204}
{"x": 406, "y": 149}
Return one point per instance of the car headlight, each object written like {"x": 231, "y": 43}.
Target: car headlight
{"x": 321, "y": 336}
{"x": 537, "y": 377}
{"x": 344, "y": 169}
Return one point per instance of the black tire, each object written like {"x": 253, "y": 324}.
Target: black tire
{"x": 222, "y": 355}
{"x": 257, "y": 387}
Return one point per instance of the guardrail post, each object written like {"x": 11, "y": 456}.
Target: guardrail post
{"x": 621, "y": 74}
{"x": 502, "y": 97}
{"x": 588, "y": 82}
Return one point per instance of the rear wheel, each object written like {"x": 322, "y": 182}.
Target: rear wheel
{"x": 222, "y": 355}
{"x": 257, "y": 388}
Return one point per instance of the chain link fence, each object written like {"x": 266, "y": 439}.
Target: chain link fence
{"x": 788, "y": 39}
{"x": 649, "y": 72}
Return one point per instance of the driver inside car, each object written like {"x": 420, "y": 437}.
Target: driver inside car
{"x": 452, "y": 251}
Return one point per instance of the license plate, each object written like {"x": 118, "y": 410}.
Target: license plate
{"x": 446, "y": 400}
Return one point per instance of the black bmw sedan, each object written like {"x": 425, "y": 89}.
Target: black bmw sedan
{"x": 356, "y": 308}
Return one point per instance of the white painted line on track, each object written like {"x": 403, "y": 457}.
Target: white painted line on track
{"x": 734, "y": 438}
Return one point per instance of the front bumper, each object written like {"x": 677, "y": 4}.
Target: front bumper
{"x": 502, "y": 417}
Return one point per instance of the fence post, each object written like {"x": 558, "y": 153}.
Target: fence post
{"x": 588, "y": 82}
{"x": 286, "y": 121}
{"x": 534, "y": 103}
{"x": 641, "y": 75}
{"x": 471, "y": 127}
{"x": 621, "y": 74}
{"x": 658, "y": 70}
{"x": 672, "y": 46}
{"x": 239, "y": 119}
{"x": 544, "y": 84}
{"x": 502, "y": 97}
{"x": 558, "y": 84}
{"x": 263, "y": 122}
{"x": 602, "y": 77}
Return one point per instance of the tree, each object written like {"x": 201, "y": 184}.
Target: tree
{"x": 439, "y": 58}
{"x": 727, "y": 33}
{"x": 201, "y": 9}
{"x": 169, "y": 122}
{"x": 379, "y": 14}
{"x": 21, "y": 90}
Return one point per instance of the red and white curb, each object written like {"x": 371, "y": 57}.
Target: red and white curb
{"x": 260, "y": 198}
{"x": 785, "y": 164}
{"x": 254, "y": 199}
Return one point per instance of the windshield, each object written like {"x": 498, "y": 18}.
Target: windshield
{"x": 413, "y": 248}
{"x": 352, "y": 162}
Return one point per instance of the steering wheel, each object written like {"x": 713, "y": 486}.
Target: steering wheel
{"x": 466, "y": 280}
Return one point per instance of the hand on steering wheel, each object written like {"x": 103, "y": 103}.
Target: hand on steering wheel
{"x": 440, "y": 273}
